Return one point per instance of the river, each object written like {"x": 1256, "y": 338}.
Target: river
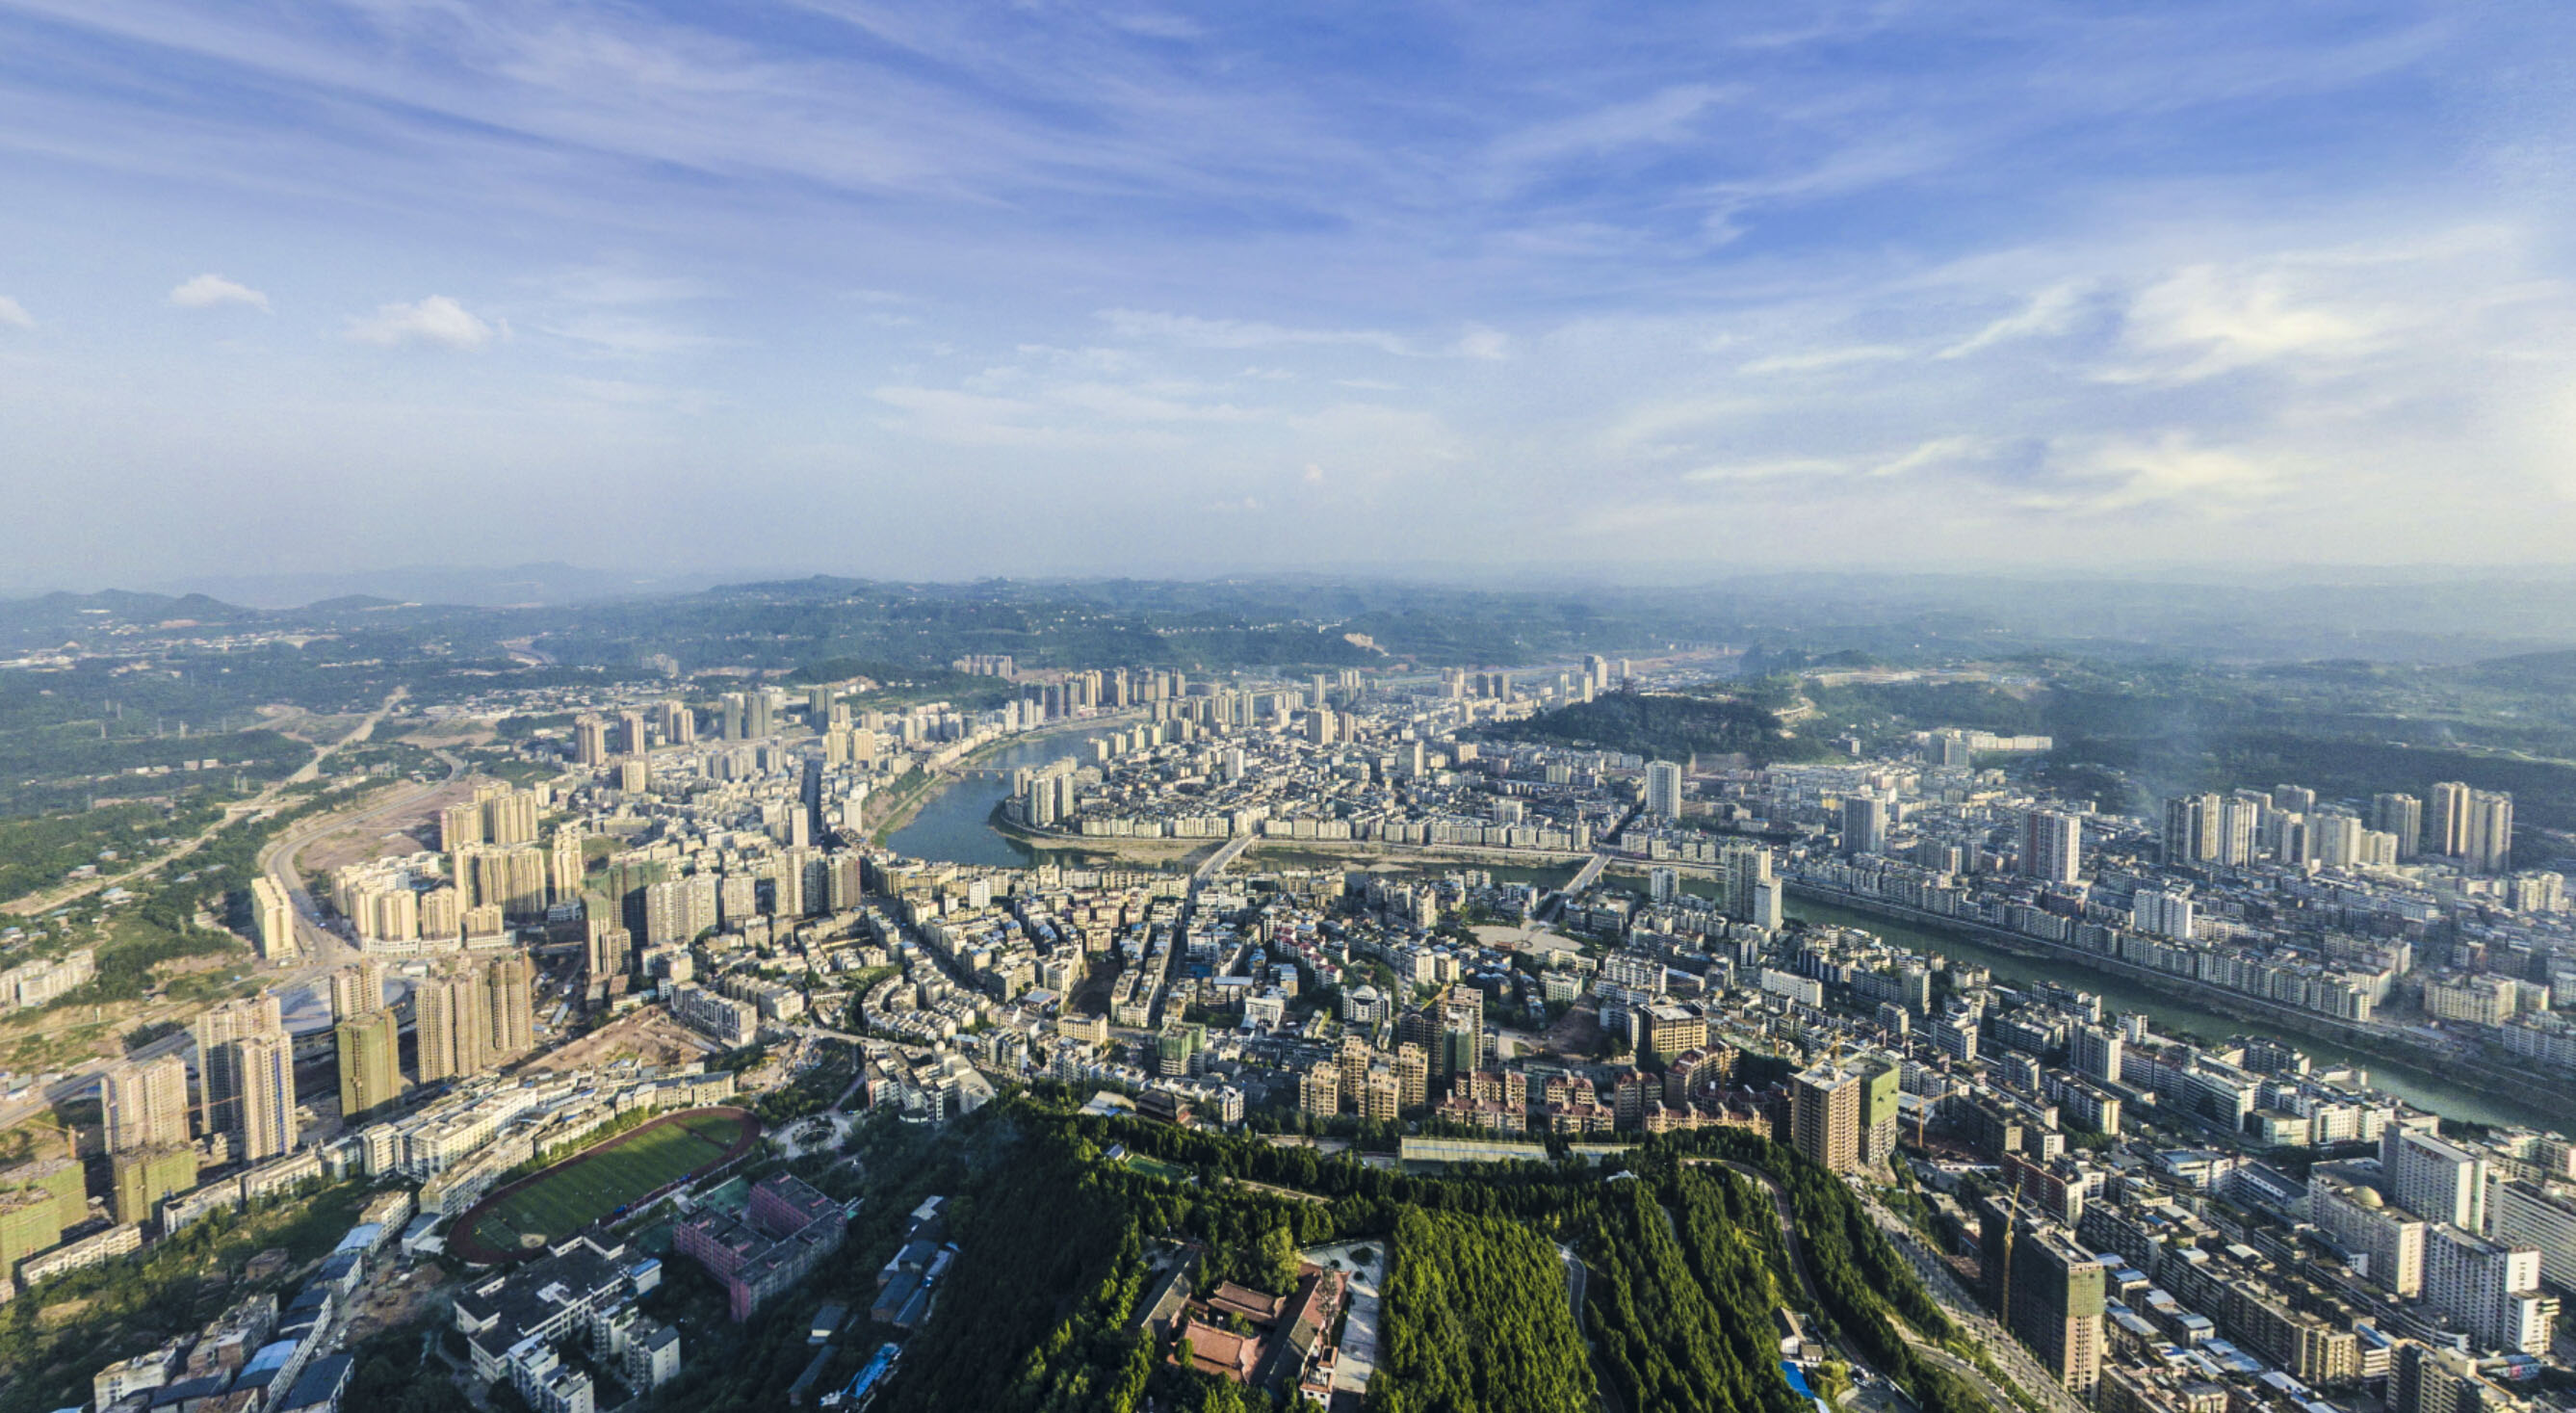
{"x": 2412, "y": 1083}
{"x": 956, "y": 825}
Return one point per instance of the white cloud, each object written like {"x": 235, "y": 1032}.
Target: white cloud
{"x": 2171, "y": 470}
{"x": 1240, "y": 333}
{"x": 2051, "y": 311}
{"x": 619, "y": 392}
{"x": 1665, "y": 117}
{"x": 436, "y": 320}
{"x": 626, "y": 336}
{"x": 1774, "y": 469}
{"x": 13, "y": 315}
{"x": 2205, "y": 319}
{"x": 1479, "y": 341}
{"x": 214, "y": 291}
{"x": 1824, "y": 359}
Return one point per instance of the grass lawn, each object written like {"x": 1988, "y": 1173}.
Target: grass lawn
{"x": 592, "y": 1184}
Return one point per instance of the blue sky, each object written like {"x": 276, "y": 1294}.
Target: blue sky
{"x": 946, "y": 290}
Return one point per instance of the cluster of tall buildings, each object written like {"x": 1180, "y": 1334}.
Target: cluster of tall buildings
{"x": 2471, "y": 828}
{"x": 246, "y": 1077}
{"x": 473, "y": 1015}
{"x": 499, "y": 872}
{"x": 1843, "y": 1115}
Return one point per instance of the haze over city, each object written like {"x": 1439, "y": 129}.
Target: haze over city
{"x": 938, "y": 291}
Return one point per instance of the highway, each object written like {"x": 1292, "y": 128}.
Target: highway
{"x": 1943, "y": 1284}
{"x": 322, "y": 948}
{"x": 1797, "y": 1254}
{"x": 81, "y": 1081}
{"x": 45, "y": 902}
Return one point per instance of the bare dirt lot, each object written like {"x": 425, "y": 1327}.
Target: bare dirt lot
{"x": 648, "y": 1035}
{"x": 1575, "y": 1033}
{"x": 392, "y": 1303}
{"x": 407, "y": 832}
{"x": 421, "y": 731}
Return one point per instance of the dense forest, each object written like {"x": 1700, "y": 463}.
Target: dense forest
{"x": 1662, "y": 727}
{"x": 1476, "y": 1318}
{"x": 1681, "y": 1270}
{"x": 2348, "y": 730}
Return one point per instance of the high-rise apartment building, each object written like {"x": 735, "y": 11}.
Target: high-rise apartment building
{"x": 2240, "y": 823}
{"x": 1844, "y": 1116}
{"x": 1865, "y": 824}
{"x": 2388, "y": 1238}
{"x": 590, "y": 740}
{"x": 370, "y": 1063}
{"x": 1748, "y": 868}
{"x": 272, "y": 920}
{"x": 220, "y": 1078}
{"x": 510, "y": 816}
{"x": 452, "y": 1025}
{"x": 509, "y": 985}
{"x": 2162, "y": 912}
{"x": 1664, "y": 789}
{"x": 2448, "y": 835}
{"x": 2403, "y": 816}
{"x": 2048, "y": 1291}
{"x": 265, "y": 1065}
{"x": 2193, "y": 825}
{"x": 459, "y": 826}
{"x": 2432, "y": 1177}
{"x": 357, "y": 990}
{"x": 2489, "y": 1289}
{"x": 679, "y": 909}
{"x": 2540, "y": 1216}
{"x": 611, "y": 950}
{"x": 564, "y": 864}
{"x": 2490, "y": 833}
{"x": 2426, "y": 1379}
{"x": 2095, "y": 1052}
{"x": 512, "y": 879}
{"x": 2052, "y": 845}
{"x": 144, "y": 1104}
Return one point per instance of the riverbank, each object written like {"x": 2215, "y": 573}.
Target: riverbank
{"x": 1359, "y": 851}
{"x": 938, "y": 782}
{"x": 2455, "y": 1086}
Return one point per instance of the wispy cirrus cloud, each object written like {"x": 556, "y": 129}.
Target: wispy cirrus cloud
{"x": 1635, "y": 276}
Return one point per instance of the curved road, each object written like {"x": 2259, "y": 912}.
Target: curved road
{"x": 1797, "y": 1253}
{"x": 321, "y": 947}
{"x": 35, "y": 903}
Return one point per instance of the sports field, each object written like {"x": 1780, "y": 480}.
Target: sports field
{"x": 595, "y": 1182}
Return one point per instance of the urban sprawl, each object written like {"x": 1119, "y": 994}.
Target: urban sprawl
{"x": 1356, "y": 905}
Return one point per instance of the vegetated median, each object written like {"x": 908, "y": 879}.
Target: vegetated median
{"x": 598, "y": 1182}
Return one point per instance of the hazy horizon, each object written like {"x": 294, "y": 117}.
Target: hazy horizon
{"x": 922, "y": 292}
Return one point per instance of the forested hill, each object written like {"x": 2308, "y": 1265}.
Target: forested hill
{"x": 1065, "y": 1224}
{"x": 1662, "y": 727}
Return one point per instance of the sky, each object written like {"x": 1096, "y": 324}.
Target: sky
{"x": 948, "y": 290}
